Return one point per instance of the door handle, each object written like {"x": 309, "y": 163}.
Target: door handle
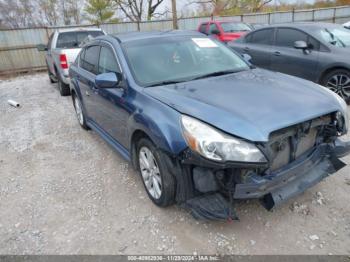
{"x": 277, "y": 53}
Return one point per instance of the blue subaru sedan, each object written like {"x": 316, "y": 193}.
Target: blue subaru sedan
{"x": 202, "y": 126}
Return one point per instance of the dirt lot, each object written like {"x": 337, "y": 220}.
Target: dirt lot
{"x": 65, "y": 191}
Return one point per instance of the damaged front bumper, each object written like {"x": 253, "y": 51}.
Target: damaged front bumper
{"x": 293, "y": 179}
{"x": 273, "y": 188}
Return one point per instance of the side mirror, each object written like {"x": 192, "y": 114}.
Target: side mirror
{"x": 42, "y": 47}
{"x": 300, "y": 45}
{"x": 247, "y": 57}
{"x": 107, "y": 80}
{"x": 215, "y": 32}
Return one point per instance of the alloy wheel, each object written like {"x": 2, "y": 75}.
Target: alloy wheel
{"x": 150, "y": 172}
{"x": 340, "y": 84}
{"x": 78, "y": 110}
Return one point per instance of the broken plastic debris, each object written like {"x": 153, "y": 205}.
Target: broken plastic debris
{"x": 13, "y": 103}
{"x": 314, "y": 237}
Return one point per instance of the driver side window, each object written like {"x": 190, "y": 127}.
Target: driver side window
{"x": 107, "y": 62}
{"x": 90, "y": 60}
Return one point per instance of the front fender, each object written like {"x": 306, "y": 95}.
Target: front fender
{"x": 331, "y": 67}
{"x": 160, "y": 122}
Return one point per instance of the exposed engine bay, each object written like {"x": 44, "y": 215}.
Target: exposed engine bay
{"x": 298, "y": 157}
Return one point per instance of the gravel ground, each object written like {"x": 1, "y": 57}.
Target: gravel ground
{"x": 65, "y": 191}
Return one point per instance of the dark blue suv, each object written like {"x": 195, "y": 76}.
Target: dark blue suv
{"x": 204, "y": 127}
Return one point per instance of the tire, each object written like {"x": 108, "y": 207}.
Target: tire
{"x": 338, "y": 81}
{"x": 51, "y": 76}
{"x": 167, "y": 181}
{"x": 79, "y": 112}
{"x": 64, "y": 88}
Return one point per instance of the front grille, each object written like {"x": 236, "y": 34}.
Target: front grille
{"x": 288, "y": 144}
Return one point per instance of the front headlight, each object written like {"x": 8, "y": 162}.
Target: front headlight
{"x": 216, "y": 145}
{"x": 343, "y": 106}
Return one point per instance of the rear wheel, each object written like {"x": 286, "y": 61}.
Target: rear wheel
{"x": 52, "y": 78}
{"x": 338, "y": 81}
{"x": 62, "y": 87}
{"x": 158, "y": 182}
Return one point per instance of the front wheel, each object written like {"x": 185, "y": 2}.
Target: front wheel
{"x": 338, "y": 81}
{"x": 79, "y": 112}
{"x": 158, "y": 182}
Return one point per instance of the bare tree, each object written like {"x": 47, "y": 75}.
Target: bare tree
{"x": 152, "y": 8}
{"x": 214, "y": 7}
{"x": 220, "y": 7}
{"x": 257, "y": 5}
{"x": 137, "y": 10}
{"x": 18, "y": 13}
{"x": 49, "y": 12}
{"x": 132, "y": 9}
{"x": 75, "y": 7}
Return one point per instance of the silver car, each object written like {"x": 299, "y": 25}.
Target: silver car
{"x": 62, "y": 49}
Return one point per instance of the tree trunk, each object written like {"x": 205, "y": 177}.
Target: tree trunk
{"x": 173, "y": 5}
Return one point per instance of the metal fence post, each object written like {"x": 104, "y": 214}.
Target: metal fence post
{"x": 334, "y": 14}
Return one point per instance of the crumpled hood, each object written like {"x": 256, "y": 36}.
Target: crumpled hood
{"x": 249, "y": 104}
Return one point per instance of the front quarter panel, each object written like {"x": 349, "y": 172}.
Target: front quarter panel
{"x": 159, "y": 121}
{"x": 333, "y": 60}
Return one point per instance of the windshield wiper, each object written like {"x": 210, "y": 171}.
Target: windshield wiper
{"x": 335, "y": 39}
{"x": 218, "y": 73}
{"x": 165, "y": 83}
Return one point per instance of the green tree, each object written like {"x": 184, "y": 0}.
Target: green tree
{"x": 100, "y": 11}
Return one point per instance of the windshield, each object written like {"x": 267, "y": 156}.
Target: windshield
{"x": 336, "y": 36}
{"x": 178, "y": 59}
{"x": 235, "y": 27}
{"x": 74, "y": 39}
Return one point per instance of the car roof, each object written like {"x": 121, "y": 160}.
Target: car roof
{"x": 302, "y": 25}
{"x": 223, "y": 21}
{"x": 78, "y": 29}
{"x": 132, "y": 36}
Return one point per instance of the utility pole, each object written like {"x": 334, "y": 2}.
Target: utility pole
{"x": 173, "y": 6}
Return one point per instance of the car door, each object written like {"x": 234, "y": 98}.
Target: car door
{"x": 211, "y": 31}
{"x": 297, "y": 62}
{"x": 86, "y": 79}
{"x": 111, "y": 110}
{"x": 258, "y": 45}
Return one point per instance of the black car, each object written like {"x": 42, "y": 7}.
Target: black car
{"x": 319, "y": 52}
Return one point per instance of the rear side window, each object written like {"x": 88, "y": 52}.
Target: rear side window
{"x": 203, "y": 28}
{"x": 81, "y": 57}
{"x": 286, "y": 37}
{"x": 90, "y": 59}
{"x": 74, "y": 39}
{"x": 108, "y": 62}
{"x": 261, "y": 37}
